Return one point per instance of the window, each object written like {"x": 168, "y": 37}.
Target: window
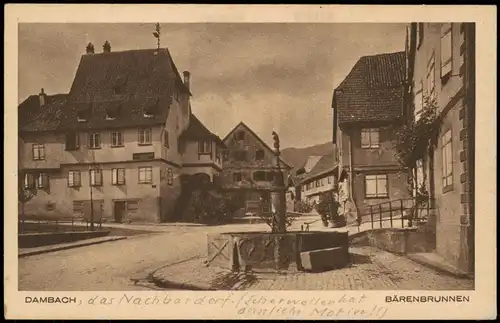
{"x": 42, "y": 181}
{"x": 94, "y": 140}
{"x": 38, "y": 152}
{"x": 72, "y": 141}
{"x": 145, "y": 175}
{"x": 118, "y": 176}
{"x": 74, "y": 179}
{"x": 446, "y": 50}
{"x": 29, "y": 181}
{"x": 236, "y": 177}
{"x": 95, "y": 177}
{"x": 218, "y": 155}
{"x": 240, "y": 155}
{"x": 113, "y": 112}
{"x": 117, "y": 139}
{"x": 205, "y": 147}
{"x": 419, "y": 102}
{"x": 420, "y": 34}
{"x": 262, "y": 176}
{"x": 166, "y": 142}
{"x": 329, "y": 179}
{"x": 259, "y": 154}
{"x": 145, "y": 136}
{"x": 370, "y": 138}
{"x": 376, "y": 186}
{"x": 431, "y": 77}
{"x": 447, "y": 159}
{"x": 240, "y": 135}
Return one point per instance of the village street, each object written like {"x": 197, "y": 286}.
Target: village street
{"x": 112, "y": 266}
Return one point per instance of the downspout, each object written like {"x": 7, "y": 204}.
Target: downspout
{"x": 351, "y": 177}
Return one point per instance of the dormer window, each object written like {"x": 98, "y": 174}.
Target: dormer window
{"x": 119, "y": 85}
{"x": 83, "y": 112}
{"x": 113, "y": 112}
{"x": 151, "y": 107}
{"x": 82, "y": 116}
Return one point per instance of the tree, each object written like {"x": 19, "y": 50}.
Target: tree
{"x": 413, "y": 142}
{"x": 25, "y": 191}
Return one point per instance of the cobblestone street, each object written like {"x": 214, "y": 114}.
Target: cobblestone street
{"x": 372, "y": 269}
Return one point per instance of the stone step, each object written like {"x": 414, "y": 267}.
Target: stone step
{"x": 324, "y": 259}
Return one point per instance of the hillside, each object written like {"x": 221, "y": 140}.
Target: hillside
{"x": 298, "y": 156}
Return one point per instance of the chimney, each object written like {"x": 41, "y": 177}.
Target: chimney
{"x": 42, "y": 97}
{"x": 187, "y": 77}
{"x": 90, "y": 48}
{"x": 106, "y": 48}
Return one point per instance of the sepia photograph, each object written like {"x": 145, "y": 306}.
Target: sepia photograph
{"x": 247, "y": 156}
{"x": 346, "y": 167}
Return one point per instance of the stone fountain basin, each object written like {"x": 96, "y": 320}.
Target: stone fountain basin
{"x": 256, "y": 250}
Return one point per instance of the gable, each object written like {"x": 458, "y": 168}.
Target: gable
{"x": 246, "y": 149}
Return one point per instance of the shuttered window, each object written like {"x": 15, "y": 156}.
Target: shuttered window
{"x": 376, "y": 186}
{"x": 447, "y": 159}
{"x": 446, "y": 50}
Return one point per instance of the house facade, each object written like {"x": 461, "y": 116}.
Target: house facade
{"x": 321, "y": 178}
{"x": 441, "y": 67}
{"x": 367, "y": 105}
{"x": 114, "y": 145}
{"x": 249, "y": 169}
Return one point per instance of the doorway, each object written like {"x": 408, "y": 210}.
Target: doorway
{"x": 119, "y": 211}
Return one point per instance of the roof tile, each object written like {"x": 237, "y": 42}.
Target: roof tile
{"x": 373, "y": 90}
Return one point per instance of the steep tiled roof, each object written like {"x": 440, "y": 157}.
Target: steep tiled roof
{"x": 326, "y": 164}
{"x": 35, "y": 118}
{"x": 373, "y": 90}
{"x": 197, "y": 131}
{"x": 145, "y": 78}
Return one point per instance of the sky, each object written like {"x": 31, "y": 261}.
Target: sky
{"x": 272, "y": 76}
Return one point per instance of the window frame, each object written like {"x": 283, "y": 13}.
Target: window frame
{"x": 261, "y": 153}
{"x": 92, "y": 141}
{"x": 119, "y": 134}
{"x": 443, "y": 34}
{"x": 74, "y": 183}
{"x": 203, "y": 145}
{"x": 40, "y": 149}
{"x": 447, "y": 174}
{"x": 143, "y": 134}
{"x": 146, "y": 170}
{"x": 237, "y": 175}
{"x": 95, "y": 182}
{"x": 115, "y": 178}
{"x": 419, "y": 93}
{"x": 375, "y": 177}
{"x": 77, "y": 140}
{"x": 29, "y": 181}
{"x": 431, "y": 76}
{"x": 40, "y": 182}
{"x": 166, "y": 139}
{"x": 239, "y": 134}
{"x": 370, "y": 131}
